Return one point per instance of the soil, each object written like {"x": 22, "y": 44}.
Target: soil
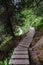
{"x": 38, "y": 35}
{"x": 34, "y": 57}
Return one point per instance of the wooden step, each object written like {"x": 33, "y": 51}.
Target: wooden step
{"x": 19, "y": 62}
{"x": 31, "y": 31}
{"x": 24, "y": 45}
{"x": 20, "y": 56}
{"x": 27, "y": 40}
{"x": 20, "y": 48}
{"x": 20, "y": 52}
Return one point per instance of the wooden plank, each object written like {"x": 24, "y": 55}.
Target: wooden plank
{"x": 26, "y": 46}
{"x": 20, "y": 56}
{"x": 23, "y": 47}
{"x": 20, "y": 48}
{"x": 27, "y": 41}
{"x": 20, "y": 52}
{"x": 18, "y": 62}
{"x": 31, "y": 32}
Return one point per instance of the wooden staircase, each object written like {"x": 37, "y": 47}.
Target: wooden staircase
{"x": 20, "y": 55}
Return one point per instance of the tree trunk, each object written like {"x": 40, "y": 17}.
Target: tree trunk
{"x": 10, "y": 26}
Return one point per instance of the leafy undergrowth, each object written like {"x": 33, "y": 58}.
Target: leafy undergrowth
{"x": 30, "y": 16}
{"x": 5, "y": 42}
{"x": 6, "y": 60}
{"x": 31, "y": 19}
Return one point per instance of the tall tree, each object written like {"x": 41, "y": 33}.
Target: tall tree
{"x": 7, "y": 14}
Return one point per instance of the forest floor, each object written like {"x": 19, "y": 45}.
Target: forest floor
{"x": 38, "y": 35}
{"x": 36, "y": 53}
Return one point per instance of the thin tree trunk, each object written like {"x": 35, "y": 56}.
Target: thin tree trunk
{"x": 11, "y": 29}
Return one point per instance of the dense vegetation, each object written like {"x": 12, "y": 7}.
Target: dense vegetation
{"x": 28, "y": 12}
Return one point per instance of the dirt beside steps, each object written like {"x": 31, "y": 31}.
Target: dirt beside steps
{"x": 20, "y": 55}
{"x": 36, "y": 50}
{"x": 36, "y": 53}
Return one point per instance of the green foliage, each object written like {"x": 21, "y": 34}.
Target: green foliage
{"x": 16, "y": 32}
{"x": 4, "y": 62}
{"x": 5, "y": 42}
{"x": 17, "y": 18}
{"x": 1, "y": 63}
{"x": 31, "y": 18}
